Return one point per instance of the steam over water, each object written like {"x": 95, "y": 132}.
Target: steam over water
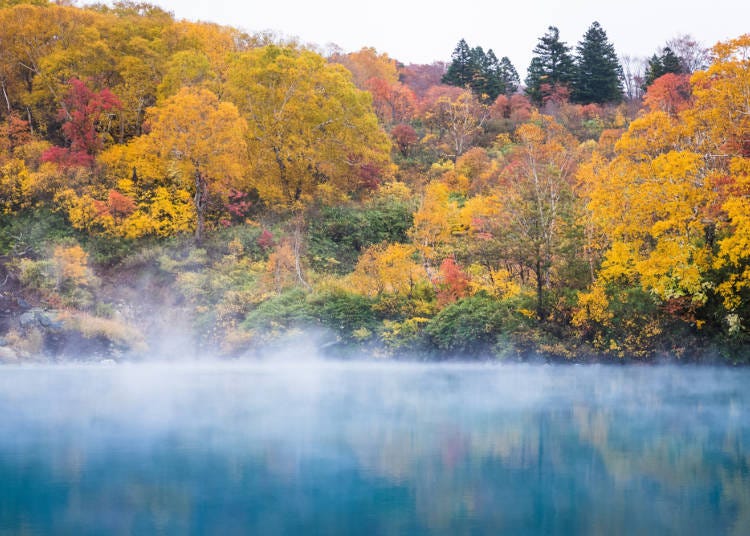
{"x": 365, "y": 448}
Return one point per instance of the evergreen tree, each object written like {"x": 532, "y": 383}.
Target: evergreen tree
{"x": 659, "y": 65}
{"x": 551, "y": 68}
{"x": 483, "y": 73}
{"x": 670, "y": 63}
{"x": 480, "y": 77}
{"x": 461, "y": 70}
{"x": 598, "y": 71}
{"x": 509, "y": 80}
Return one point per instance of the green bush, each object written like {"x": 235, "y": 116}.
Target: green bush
{"x": 337, "y": 235}
{"x": 470, "y": 326}
{"x": 345, "y": 313}
{"x": 30, "y": 233}
{"x": 286, "y": 310}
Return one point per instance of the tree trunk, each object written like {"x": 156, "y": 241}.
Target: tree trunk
{"x": 200, "y": 201}
{"x": 539, "y": 290}
{"x": 5, "y": 94}
{"x": 297, "y": 254}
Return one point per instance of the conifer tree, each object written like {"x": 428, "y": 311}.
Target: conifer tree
{"x": 483, "y": 73}
{"x": 461, "y": 70}
{"x": 481, "y": 79}
{"x": 552, "y": 67}
{"x": 661, "y": 64}
{"x": 598, "y": 71}
{"x": 508, "y": 76}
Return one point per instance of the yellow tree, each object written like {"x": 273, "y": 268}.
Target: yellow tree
{"x": 186, "y": 68}
{"x": 367, "y": 64}
{"x": 455, "y": 116}
{"x": 216, "y": 43}
{"x": 308, "y": 124}
{"x": 537, "y": 186}
{"x": 386, "y": 269}
{"x": 135, "y": 32}
{"x": 436, "y": 224}
{"x": 43, "y": 48}
{"x": 673, "y": 200}
{"x": 201, "y": 143}
{"x": 721, "y": 119}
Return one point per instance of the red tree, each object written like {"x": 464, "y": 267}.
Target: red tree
{"x": 670, "y": 93}
{"x": 405, "y": 137}
{"x": 453, "y": 282}
{"x": 82, "y": 110}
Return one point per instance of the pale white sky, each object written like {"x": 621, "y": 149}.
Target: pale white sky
{"x": 417, "y": 31}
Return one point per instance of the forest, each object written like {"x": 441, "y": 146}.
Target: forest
{"x": 184, "y": 188}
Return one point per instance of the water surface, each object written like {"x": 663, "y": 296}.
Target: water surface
{"x": 366, "y": 448}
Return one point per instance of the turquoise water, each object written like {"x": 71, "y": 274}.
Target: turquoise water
{"x": 364, "y": 448}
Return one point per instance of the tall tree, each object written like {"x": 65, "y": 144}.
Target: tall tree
{"x": 551, "y": 68}
{"x": 508, "y": 76}
{"x": 309, "y": 125}
{"x": 538, "y": 200}
{"x": 462, "y": 67}
{"x": 200, "y": 140}
{"x": 480, "y": 76}
{"x": 598, "y": 71}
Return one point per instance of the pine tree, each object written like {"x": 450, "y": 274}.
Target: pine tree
{"x": 461, "y": 70}
{"x": 480, "y": 77}
{"x": 508, "y": 75}
{"x": 551, "y": 69}
{"x": 670, "y": 62}
{"x": 598, "y": 71}
{"x": 659, "y": 65}
{"x": 483, "y": 73}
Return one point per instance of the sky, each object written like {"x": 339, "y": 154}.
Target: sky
{"x": 418, "y": 31}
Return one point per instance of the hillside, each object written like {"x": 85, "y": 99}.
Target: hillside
{"x": 173, "y": 188}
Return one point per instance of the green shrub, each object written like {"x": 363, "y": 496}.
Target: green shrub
{"x": 30, "y": 233}
{"x": 345, "y": 313}
{"x": 286, "y": 310}
{"x": 337, "y": 235}
{"x": 470, "y": 326}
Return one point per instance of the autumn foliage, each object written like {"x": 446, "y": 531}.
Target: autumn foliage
{"x": 354, "y": 193}
{"x": 83, "y": 112}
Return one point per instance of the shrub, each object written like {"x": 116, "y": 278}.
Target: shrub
{"x": 345, "y": 313}
{"x": 339, "y": 234}
{"x": 284, "y": 311}
{"x": 470, "y": 326}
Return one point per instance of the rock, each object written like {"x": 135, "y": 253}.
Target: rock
{"x": 27, "y": 319}
{"x": 49, "y": 320}
{"x": 23, "y": 304}
{"x": 37, "y": 317}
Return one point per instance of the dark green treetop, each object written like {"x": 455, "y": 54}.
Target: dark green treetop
{"x": 598, "y": 71}
{"x": 661, "y": 64}
{"x": 551, "y": 68}
{"x": 461, "y": 70}
{"x": 483, "y": 73}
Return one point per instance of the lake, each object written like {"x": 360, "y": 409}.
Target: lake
{"x": 319, "y": 447}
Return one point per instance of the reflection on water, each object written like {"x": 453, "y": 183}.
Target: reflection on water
{"x": 336, "y": 448}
